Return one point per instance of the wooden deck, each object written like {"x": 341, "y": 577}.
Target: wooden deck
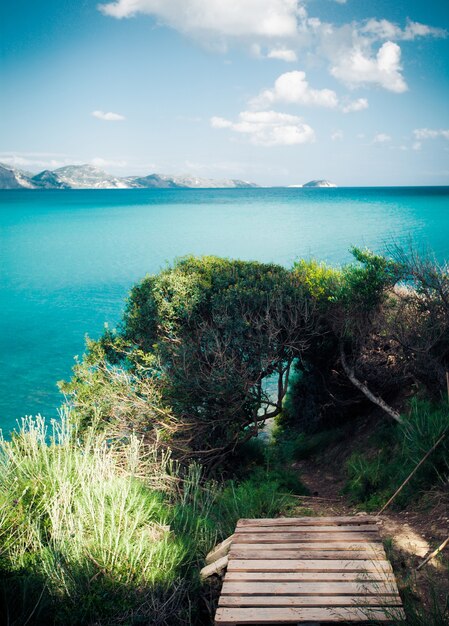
{"x": 308, "y": 569}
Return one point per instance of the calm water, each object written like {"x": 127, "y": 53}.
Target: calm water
{"x": 69, "y": 258}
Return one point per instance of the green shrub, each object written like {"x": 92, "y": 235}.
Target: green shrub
{"x": 258, "y": 496}
{"x": 369, "y": 480}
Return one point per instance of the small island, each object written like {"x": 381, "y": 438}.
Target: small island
{"x": 319, "y": 183}
{"x": 314, "y": 184}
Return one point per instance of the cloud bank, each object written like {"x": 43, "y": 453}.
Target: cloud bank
{"x": 284, "y": 29}
{"x": 268, "y": 128}
{"x": 234, "y": 18}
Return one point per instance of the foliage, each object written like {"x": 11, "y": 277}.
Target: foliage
{"x": 192, "y": 364}
{"x": 373, "y": 479}
{"x": 305, "y": 445}
{"x": 200, "y": 340}
{"x": 98, "y": 533}
{"x": 350, "y": 302}
{"x": 321, "y": 280}
{"x": 419, "y": 319}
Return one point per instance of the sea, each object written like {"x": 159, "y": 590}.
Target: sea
{"x": 69, "y": 258}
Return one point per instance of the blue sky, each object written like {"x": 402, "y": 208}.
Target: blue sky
{"x": 273, "y": 91}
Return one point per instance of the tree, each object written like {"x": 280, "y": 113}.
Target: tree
{"x": 224, "y": 335}
{"x": 419, "y": 321}
{"x": 352, "y": 302}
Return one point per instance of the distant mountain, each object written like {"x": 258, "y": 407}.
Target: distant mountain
{"x": 12, "y": 178}
{"x": 78, "y": 177}
{"x": 319, "y": 183}
{"x": 162, "y": 181}
{"x": 89, "y": 177}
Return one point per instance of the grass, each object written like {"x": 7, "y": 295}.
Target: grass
{"x": 373, "y": 477}
{"x": 96, "y": 533}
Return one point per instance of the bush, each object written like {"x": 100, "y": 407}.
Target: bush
{"x": 201, "y": 339}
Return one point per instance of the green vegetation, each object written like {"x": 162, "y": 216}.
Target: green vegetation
{"x": 372, "y": 480}
{"x": 108, "y": 521}
{"x": 97, "y": 533}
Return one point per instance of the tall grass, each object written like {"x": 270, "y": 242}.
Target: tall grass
{"x": 93, "y": 532}
{"x": 373, "y": 478}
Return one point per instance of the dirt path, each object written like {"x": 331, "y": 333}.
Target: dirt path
{"x": 408, "y": 535}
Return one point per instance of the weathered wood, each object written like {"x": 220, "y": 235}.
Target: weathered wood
{"x": 318, "y": 565}
{"x": 293, "y": 570}
{"x": 217, "y": 567}
{"x": 310, "y": 545}
{"x": 349, "y": 371}
{"x": 237, "y": 553}
{"x": 310, "y": 576}
{"x": 297, "y": 528}
{"x": 220, "y": 550}
{"x": 295, "y": 537}
{"x": 307, "y": 521}
{"x": 434, "y": 553}
{"x": 290, "y": 615}
{"x": 415, "y": 469}
{"x": 242, "y": 588}
{"x": 311, "y": 600}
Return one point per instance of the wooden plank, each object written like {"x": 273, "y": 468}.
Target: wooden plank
{"x": 219, "y": 551}
{"x": 217, "y": 567}
{"x": 241, "y": 588}
{"x": 333, "y": 528}
{"x": 293, "y": 570}
{"x": 237, "y": 553}
{"x": 289, "y": 615}
{"x": 296, "y": 537}
{"x": 368, "y": 546}
{"x": 318, "y": 565}
{"x": 311, "y": 600}
{"x": 307, "y": 521}
{"x": 310, "y": 576}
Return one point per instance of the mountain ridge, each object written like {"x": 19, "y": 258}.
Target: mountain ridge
{"x": 90, "y": 177}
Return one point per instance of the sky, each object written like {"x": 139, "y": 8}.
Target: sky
{"x": 277, "y": 92}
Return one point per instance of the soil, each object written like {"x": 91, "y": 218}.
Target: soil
{"x": 409, "y": 535}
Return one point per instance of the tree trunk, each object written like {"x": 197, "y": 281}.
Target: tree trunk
{"x": 349, "y": 371}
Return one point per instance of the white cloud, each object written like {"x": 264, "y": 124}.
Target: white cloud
{"x": 356, "y": 67}
{"x": 417, "y": 145}
{"x": 337, "y": 135}
{"x": 356, "y": 105}
{"x": 383, "y": 29}
{"x": 268, "y": 128}
{"x": 381, "y": 138}
{"x": 293, "y": 88}
{"x": 36, "y": 161}
{"x": 108, "y": 117}
{"x": 429, "y": 133}
{"x": 283, "y": 30}
{"x": 283, "y": 54}
{"x": 268, "y": 18}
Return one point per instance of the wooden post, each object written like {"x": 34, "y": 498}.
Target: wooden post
{"x": 434, "y": 553}
{"x": 435, "y": 445}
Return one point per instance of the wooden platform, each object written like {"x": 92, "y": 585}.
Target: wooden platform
{"x": 308, "y": 569}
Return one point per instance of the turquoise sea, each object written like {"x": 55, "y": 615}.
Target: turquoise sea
{"x": 69, "y": 258}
